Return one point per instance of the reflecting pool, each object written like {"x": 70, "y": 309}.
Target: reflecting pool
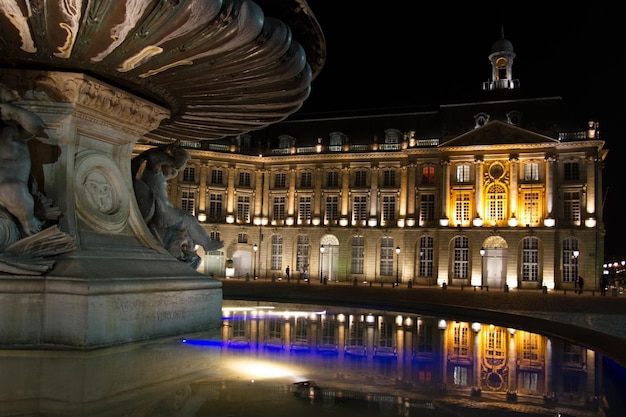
{"x": 279, "y": 359}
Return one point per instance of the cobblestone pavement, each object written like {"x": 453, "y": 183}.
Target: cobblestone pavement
{"x": 598, "y": 322}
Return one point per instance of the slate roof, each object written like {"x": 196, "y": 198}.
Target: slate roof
{"x": 540, "y": 120}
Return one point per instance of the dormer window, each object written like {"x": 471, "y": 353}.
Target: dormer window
{"x": 514, "y": 118}
{"x": 392, "y": 136}
{"x": 480, "y": 120}
{"x": 285, "y": 141}
{"x": 336, "y": 140}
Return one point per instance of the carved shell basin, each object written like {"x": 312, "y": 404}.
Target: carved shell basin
{"x": 220, "y": 67}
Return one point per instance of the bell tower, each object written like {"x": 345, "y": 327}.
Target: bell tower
{"x": 501, "y": 58}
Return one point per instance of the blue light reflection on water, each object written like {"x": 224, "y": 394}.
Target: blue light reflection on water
{"x": 399, "y": 362}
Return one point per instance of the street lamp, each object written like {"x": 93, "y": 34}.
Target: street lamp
{"x": 397, "y": 265}
{"x": 321, "y": 263}
{"x": 256, "y": 248}
{"x": 482, "y": 266}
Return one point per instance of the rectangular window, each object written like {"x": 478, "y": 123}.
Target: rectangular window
{"x": 275, "y": 331}
{"x": 531, "y": 171}
{"x": 461, "y": 258}
{"x": 306, "y": 180}
{"x": 463, "y": 173}
{"x": 427, "y": 208}
{"x": 302, "y": 262}
{"x": 358, "y": 254}
{"x": 279, "y": 208}
{"x": 359, "y": 210}
{"x": 277, "y": 253}
{"x": 530, "y": 259}
{"x": 356, "y": 331}
{"x": 332, "y": 209}
{"x": 189, "y": 174}
{"x": 529, "y": 380}
{"x": 571, "y": 171}
{"x": 426, "y": 256}
{"x": 188, "y": 201}
{"x": 428, "y": 175}
{"x": 301, "y": 331}
{"x": 462, "y": 207}
{"x": 216, "y": 176}
{"x": 389, "y": 178}
{"x": 242, "y": 238}
{"x": 328, "y": 338}
{"x": 304, "y": 210}
{"x": 243, "y": 209}
{"x": 360, "y": 178}
{"x": 280, "y": 181}
{"x": 570, "y": 262}
{"x": 531, "y": 213}
{"x": 389, "y": 209}
{"x": 215, "y": 206}
{"x": 332, "y": 179}
{"x": 244, "y": 179}
{"x": 239, "y": 326}
{"x": 386, "y": 256}
{"x": 571, "y": 207}
{"x": 385, "y": 335}
{"x": 424, "y": 338}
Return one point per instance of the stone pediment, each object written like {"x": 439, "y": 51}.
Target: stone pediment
{"x": 498, "y": 134}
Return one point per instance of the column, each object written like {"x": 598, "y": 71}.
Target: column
{"x": 445, "y": 194}
{"x": 374, "y": 194}
{"x": 402, "y": 203}
{"x": 479, "y": 167}
{"x": 345, "y": 194}
{"x": 590, "y": 166}
{"x": 291, "y": 196}
{"x": 202, "y": 205}
{"x": 317, "y": 203}
{"x": 513, "y": 192}
{"x": 230, "y": 193}
{"x": 549, "y": 164}
{"x": 411, "y": 194}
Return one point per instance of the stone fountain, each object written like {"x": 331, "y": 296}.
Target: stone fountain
{"x": 81, "y": 83}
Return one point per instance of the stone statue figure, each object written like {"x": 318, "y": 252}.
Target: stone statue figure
{"x": 24, "y": 247}
{"x": 176, "y": 229}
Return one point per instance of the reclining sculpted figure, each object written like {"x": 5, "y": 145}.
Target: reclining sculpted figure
{"x": 178, "y": 230}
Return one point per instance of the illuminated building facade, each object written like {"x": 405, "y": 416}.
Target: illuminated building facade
{"x": 499, "y": 193}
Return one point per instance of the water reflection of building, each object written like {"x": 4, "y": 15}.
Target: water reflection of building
{"x": 424, "y": 354}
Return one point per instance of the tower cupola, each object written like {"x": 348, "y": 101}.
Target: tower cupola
{"x": 501, "y": 58}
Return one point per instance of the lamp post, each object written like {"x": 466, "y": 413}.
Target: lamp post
{"x": 482, "y": 266}
{"x": 397, "y": 265}
{"x": 321, "y": 264}
{"x": 256, "y": 248}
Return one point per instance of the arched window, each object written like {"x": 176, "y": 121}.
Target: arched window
{"x": 496, "y": 203}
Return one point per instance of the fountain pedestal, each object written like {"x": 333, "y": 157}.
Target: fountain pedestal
{"x": 119, "y": 284}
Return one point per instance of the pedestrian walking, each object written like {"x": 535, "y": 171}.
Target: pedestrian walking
{"x": 603, "y": 284}
{"x": 287, "y": 273}
{"x": 581, "y": 283}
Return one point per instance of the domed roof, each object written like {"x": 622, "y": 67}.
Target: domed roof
{"x": 502, "y": 45}
{"x": 220, "y": 67}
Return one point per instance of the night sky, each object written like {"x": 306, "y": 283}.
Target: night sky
{"x": 393, "y": 56}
